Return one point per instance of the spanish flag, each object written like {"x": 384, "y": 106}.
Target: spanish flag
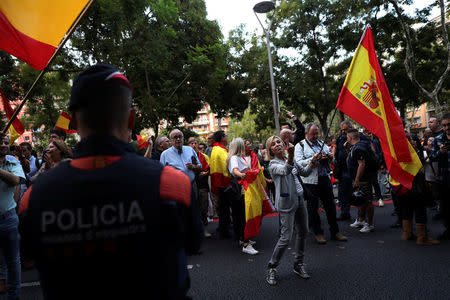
{"x": 63, "y": 123}
{"x": 32, "y": 30}
{"x": 365, "y": 98}
{"x": 218, "y": 169}
{"x": 16, "y": 129}
{"x": 142, "y": 141}
{"x": 257, "y": 202}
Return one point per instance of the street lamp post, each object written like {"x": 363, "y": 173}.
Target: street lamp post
{"x": 262, "y": 8}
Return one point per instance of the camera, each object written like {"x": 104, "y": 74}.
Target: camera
{"x": 357, "y": 198}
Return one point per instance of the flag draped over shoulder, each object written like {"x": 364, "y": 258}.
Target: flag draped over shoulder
{"x": 257, "y": 203}
{"x": 32, "y": 30}
{"x": 16, "y": 128}
{"x": 218, "y": 169}
{"x": 63, "y": 123}
{"x": 365, "y": 98}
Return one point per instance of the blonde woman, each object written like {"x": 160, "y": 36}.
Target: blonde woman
{"x": 237, "y": 166}
{"x": 289, "y": 203}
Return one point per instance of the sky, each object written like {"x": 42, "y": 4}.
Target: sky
{"x": 231, "y": 13}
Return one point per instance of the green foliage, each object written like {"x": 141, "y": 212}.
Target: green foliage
{"x": 246, "y": 128}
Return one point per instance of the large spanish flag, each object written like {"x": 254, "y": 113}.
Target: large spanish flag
{"x": 220, "y": 178}
{"x": 257, "y": 202}
{"x": 32, "y": 30}
{"x": 63, "y": 123}
{"x": 16, "y": 129}
{"x": 365, "y": 98}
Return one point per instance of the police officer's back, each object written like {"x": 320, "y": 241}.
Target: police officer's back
{"x": 105, "y": 225}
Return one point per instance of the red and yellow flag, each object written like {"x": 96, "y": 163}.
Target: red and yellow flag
{"x": 257, "y": 202}
{"x": 365, "y": 98}
{"x": 220, "y": 178}
{"x": 32, "y": 30}
{"x": 63, "y": 123}
{"x": 16, "y": 129}
{"x": 142, "y": 141}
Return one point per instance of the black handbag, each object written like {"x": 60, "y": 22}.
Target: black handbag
{"x": 234, "y": 189}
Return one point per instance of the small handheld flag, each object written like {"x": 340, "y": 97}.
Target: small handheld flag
{"x": 142, "y": 141}
{"x": 17, "y": 128}
{"x": 63, "y": 123}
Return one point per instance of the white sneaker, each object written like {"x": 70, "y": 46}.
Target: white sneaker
{"x": 249, "y": 250}
{"x": 207, "y": 234}
{"x": 358, "y": 224}
{"x": 380, "y": 203}
{"x": 367, "y": 228}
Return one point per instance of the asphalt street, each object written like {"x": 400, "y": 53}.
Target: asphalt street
{"x": 378, "y": 265}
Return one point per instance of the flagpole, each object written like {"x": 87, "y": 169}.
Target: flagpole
{"x": 43, "y": 71}
{"x": 328, "y": 129}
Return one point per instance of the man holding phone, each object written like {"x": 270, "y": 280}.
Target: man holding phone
{"x": 440, "y": 151}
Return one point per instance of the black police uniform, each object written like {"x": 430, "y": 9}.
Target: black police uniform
{"x": 105, "y": 230}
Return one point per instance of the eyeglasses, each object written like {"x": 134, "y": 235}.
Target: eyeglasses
{"x": 445, "y": 124}
{"x": 5, "y": 142}
{"x": 177, "y": 137}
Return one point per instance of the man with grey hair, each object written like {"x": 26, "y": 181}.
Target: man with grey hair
{"x": 162, "y": 143}
{"x": 341, "y": 172}
{"x": 181, "y": 157}
{"x": 318, "y": 184}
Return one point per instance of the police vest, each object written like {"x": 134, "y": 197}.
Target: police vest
{"x": 106, "y": 233}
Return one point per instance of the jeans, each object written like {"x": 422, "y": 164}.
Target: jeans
{"x": 323, "y": 191}
{"x": 345, "y": 189}
{"x": 292, "y": 223}
{"x": 9, "y": 247}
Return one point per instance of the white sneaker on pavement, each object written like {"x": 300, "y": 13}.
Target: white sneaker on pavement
{"x": 357, "y": 224}
{"x": 207, "y": 234}
{"x": 367, "y": 228}
{"x": 249, "y": 250}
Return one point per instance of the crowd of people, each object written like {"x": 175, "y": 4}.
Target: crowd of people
{"x": 103, "y": 213}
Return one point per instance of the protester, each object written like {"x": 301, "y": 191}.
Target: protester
{"x": 57, "y": 152}
{"x": 11, "y": 174}
{"x": 105, "y": 225}
{"x": 359, "y": 167}
{"x": 237, "y": 167}
{"x": 289, "y": 204}
{"x": 202, "y": 183}
{"x": 211, "y": 142}
{"x": 413, "y": 203}
{"x": 26, "y": 152}
{"x": 202, "y": 148}
{"x": 317, "y": 185}
{"x": 341, "y": 172}
{"x": 162, "y": 143}
{"x": 220, "y": 180}
{"x": 440, "y": 151}
{"x": 299, "y": 128}
{"x": 57, "y": 134}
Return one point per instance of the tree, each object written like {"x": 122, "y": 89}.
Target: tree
{"x": 246, "y": 128}
{"x": 410, "y": 59}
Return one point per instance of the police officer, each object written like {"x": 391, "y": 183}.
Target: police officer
{"x": 106, "y": 225}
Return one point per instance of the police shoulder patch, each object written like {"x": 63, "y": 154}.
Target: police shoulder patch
{"x": 175, "y": 186}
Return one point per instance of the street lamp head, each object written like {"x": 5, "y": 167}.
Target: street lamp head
{"x": 263, "y": 7}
